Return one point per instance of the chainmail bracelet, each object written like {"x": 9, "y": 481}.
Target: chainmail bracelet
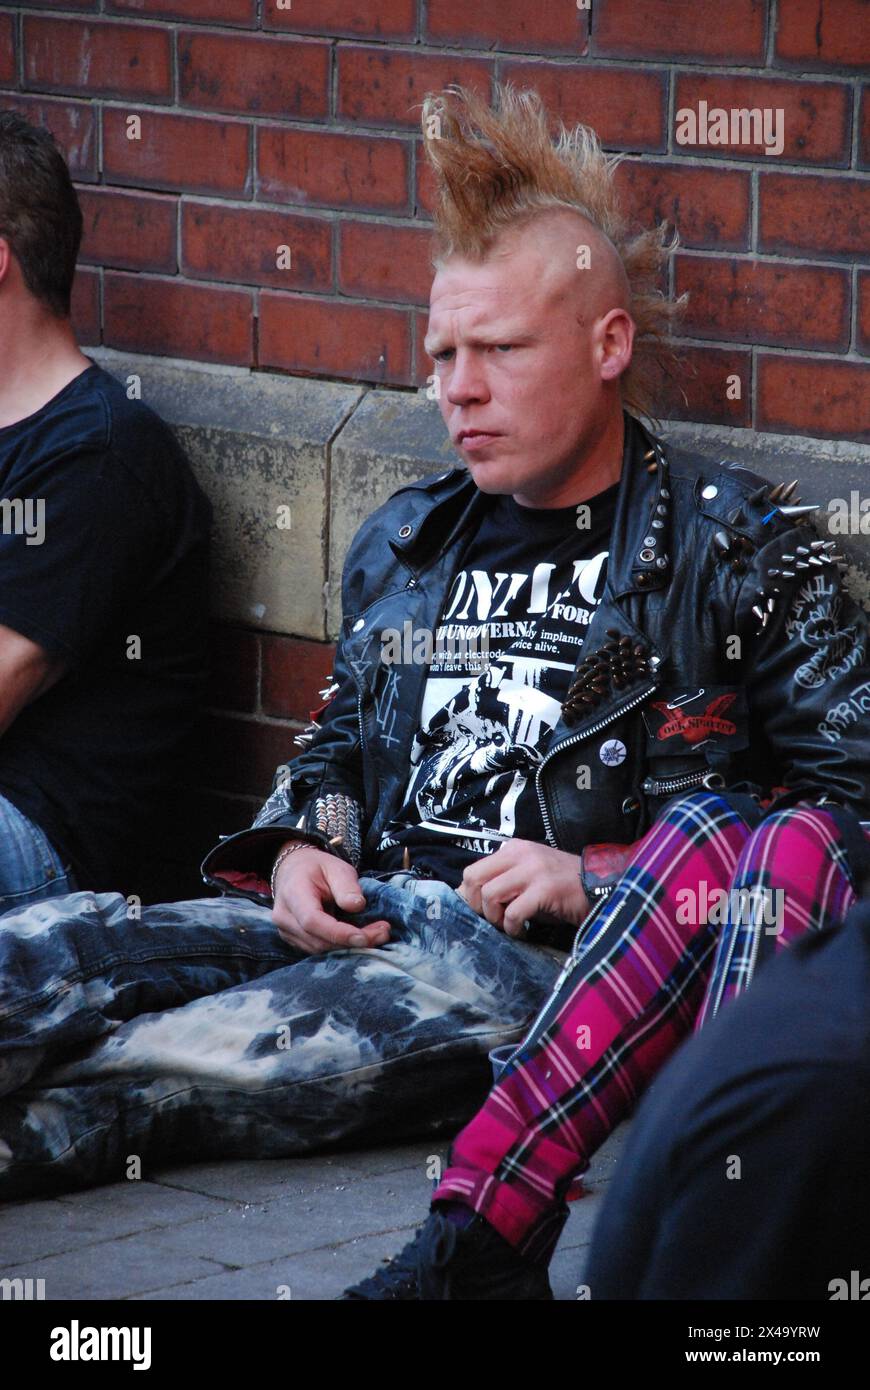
{"x": 288, "y": 849}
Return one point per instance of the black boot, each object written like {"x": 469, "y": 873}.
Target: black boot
{"x": 446, "y": 1261}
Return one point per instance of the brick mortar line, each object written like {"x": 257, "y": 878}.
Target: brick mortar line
{"x": 432, "y": 48}
{"x": 334, "y": 254}
{"x": 98, "y": 113}
{"x": 771, "y": 23}
{"x": 689, "y": 340}
{"x": 173, "y": 64}
{"x": 188, "y": 280}
{"x": 18, "y": 41}
{"x": 245, "y": 118}
{"x": 224, "y": 286}
{"x": 253, "y": 175}
{"x": 332, "y": 82}
{"x": 630, "y": 152}
{"x": 777, "y": 350}
{"x": 340, "y": 216}
{"x": 338, "y": 125}
{"x": 806, "y": 260}
{"x": 670, "y": 111}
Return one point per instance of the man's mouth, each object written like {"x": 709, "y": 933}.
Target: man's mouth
{"x": 475, "y": 439}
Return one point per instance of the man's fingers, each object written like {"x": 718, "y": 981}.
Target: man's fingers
{"x": 303, "y": 909}
{"x": 300, "y": 940}
{"x": 482, "y": 872}
{"x": 342, "y": 882}
{"x": 521, "y": 910}
{"x": 314, "y": 943}
{"x": 483, "y": 869}
{"x": 328, "y": 934}
{"x": 328, "y": 930}
{"x": 498, "y": 893}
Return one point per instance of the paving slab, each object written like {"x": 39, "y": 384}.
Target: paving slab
{"x": 112, "y": 1269}
{"x": 269, "y": 1178}
{"x": 277, "y": 1229}
{"x": 36, "y": 1229}
{"x": 291, "y": 1225}
{"x": 314, "y": 1275}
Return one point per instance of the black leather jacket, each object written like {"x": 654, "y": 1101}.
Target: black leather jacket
{"x": 725, "y": 652}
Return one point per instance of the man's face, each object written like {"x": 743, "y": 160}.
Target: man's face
{"x": 519, "y": 341}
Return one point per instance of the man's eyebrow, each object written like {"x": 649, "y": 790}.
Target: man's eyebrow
{"x": 480, "y": 337}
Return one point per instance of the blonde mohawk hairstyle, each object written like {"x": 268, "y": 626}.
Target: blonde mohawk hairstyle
{"x": 499, "y": 168}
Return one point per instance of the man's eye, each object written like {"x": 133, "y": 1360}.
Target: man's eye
{"x": 443, "y": 356}
{"x": 504, "y": 347}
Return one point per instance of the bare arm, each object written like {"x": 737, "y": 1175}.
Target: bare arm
{"x": 26, "y": 672}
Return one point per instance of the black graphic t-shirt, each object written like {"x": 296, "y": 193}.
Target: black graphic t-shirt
{"x": 529, "y": 583}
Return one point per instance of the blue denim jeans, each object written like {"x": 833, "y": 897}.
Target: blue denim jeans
{"x": 192, "y": 1031}
{"x": 30, "y": 868}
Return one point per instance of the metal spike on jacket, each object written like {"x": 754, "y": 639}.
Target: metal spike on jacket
{"x": 612, "y": 667}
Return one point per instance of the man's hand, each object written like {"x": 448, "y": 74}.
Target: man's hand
{"x": 309, "y": 882}
{"x": 523, "y": 880}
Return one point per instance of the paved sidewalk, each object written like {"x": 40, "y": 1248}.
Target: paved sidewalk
{"x": 250, "y": 1230}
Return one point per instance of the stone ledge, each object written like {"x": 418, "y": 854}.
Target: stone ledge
{"x": 334, "y": 452}
{"x": 256, "y": 442}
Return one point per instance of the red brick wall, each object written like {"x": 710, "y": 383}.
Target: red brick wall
{"x": 264, "y": 126}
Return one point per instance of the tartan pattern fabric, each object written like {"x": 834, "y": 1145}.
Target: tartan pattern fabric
{"x": 793, "y": 853}
{"x": 640, "y": 978}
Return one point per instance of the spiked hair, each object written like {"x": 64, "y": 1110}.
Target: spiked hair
{"x": 499, "y": 168}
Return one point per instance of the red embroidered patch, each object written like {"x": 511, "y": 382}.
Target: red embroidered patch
{"x": 692, "y": 728}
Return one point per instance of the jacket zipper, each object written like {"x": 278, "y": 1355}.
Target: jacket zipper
{"x": 411, "y": 584}
{"x": 656, "y": 785}
{"x": 726, "y": 969}
{"x": 578, "y": 738}
{"x": 756, "y": 947}
{"x": 368, "y": 790}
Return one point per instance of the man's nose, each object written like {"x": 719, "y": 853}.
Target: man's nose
{"x": 467, "y": 381}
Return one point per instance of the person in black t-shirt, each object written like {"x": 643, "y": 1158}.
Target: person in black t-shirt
{"x": 103, "y": 567}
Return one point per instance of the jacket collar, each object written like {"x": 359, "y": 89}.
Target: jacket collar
{"x": 640, "y": 549}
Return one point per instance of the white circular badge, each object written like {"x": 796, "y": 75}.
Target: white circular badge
{"x": 612, "y": 752}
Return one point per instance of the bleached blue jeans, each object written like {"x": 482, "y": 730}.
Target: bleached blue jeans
{"x": 193, "y": 1032}
{"x": 30, "y": 867}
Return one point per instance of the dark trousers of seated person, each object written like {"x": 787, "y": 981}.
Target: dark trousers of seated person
{"x": 746, "y": 1171}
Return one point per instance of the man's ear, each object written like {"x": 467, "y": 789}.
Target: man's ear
{"x": 5, "y": 258}
{"x": 615, "y": 343}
